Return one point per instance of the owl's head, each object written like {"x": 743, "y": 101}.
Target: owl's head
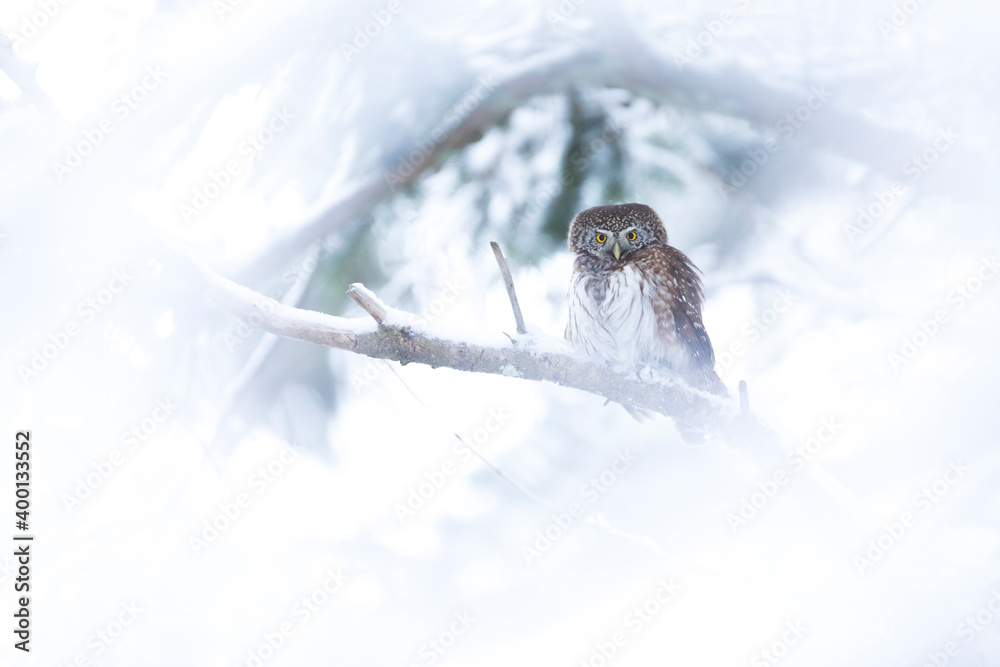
{"x": 611, "y": 233}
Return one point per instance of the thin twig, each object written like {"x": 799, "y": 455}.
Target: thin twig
{"x": 371, "y": 304}
{"x": 500, "y": 473}
{"x": 508, "y": 282}
{"x": 744, "y": 400}
{"x": 599, "y": 521}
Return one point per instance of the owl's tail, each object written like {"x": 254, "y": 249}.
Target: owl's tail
{"x": 641, "y": 415}
{"x": 714, "y": 383}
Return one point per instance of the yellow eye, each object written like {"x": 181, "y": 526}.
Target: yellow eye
{"x": 601, "y": 238}
{"x": 630, "y": 236}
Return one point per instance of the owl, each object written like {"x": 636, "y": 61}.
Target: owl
{"x": 634, "y": 300}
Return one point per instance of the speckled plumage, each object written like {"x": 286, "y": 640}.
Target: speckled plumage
{"x": 641, "y": 310}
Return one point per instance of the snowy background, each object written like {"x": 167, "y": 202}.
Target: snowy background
{"x": 207, "y": 495}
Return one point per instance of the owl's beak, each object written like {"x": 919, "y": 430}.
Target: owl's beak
{"x": 617, "y": 250}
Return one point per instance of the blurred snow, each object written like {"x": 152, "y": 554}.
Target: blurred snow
{"x": 831, "y": 168}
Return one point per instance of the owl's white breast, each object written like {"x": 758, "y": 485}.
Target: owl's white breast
{"x": 621, "y": 328}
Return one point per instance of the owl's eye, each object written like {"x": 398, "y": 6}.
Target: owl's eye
{"x": 601, "y": 238}
{"x": 631, "y": 236}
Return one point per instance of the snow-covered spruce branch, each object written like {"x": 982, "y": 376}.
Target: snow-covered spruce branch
{"x": 396, "y": 335}
{"x": 739, "y": 92}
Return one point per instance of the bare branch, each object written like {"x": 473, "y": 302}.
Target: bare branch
{"x": 508, "y": 282}
{"x": 395, "y": 335}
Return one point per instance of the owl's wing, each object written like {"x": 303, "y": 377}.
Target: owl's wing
{"x": 685, "y": 305}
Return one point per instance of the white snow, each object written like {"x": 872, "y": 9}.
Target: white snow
{"x": 872, "y": 529}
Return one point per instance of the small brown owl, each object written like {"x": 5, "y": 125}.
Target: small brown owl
{"x": 634, "y": 300}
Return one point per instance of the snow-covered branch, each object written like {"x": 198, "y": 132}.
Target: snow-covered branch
{"x": 397, "y": 335}
{"x": 740, "y": 92}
